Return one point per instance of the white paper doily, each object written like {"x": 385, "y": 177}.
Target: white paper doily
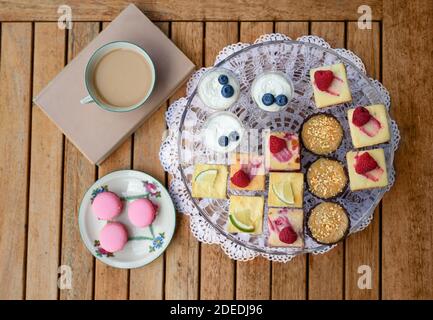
{"x": 276, "y": 52}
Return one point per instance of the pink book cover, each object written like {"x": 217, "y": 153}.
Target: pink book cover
{"x": 96, "y": 132}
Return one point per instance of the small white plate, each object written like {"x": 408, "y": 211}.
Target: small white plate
{"x": 145, "y": 244}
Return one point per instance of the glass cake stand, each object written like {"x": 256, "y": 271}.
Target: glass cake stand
{"x": 295, "y": 59}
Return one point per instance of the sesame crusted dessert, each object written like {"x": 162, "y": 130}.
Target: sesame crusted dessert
{"x": 326, "y": 178}
{"x": 328, "y": 223}
{"x": 322, "y": 134}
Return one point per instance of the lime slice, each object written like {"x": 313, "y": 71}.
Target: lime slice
{"x": 284, "y": 192}
{"x": 207, "y": 176}
{"x": 242, "y": 221}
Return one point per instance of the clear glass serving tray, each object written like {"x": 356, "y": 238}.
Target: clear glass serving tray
{"x": 295, "y": 59}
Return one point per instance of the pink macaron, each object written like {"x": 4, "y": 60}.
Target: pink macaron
{"x": 113, "y": 237}
{"x": 141, "y": 212}
{"x": 107, "y": 205}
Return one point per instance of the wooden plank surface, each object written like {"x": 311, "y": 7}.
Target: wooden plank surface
{"x": 407, "y": 213}
{"x": 46, "y": 171}
{"x": 227, "y": 10}
{"x": 182, "y": 257}
{"x": 326, "y": 271}
{"x": 289, "y": 280}
{"x": 112, "y": 283}
{"x": 217, "y": 270}
{"x": 363, "y": 248}
{"x": 148, "y": 282}
{"x": 79, "y": 174}
{"x": 253, "y": 278}
{"x": 15, "y": 119}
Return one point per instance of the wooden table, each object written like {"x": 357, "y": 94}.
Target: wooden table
{"x": 43, "y": 176}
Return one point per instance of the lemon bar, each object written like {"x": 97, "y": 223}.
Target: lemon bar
{"x": 245, "y": 215}
{"x": 286, "y": 189}
{"x": 209, "y": 181}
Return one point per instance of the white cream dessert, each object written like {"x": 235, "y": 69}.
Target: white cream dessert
{"x": 271, "y": 91}
{"x": 222, "y": 132}
{"x": 218, "y": 88}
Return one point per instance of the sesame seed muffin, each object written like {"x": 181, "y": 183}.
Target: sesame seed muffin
{"x": 321, "y": 134}
{"x": 328, "y": 223}
{"x": 326, "y": 178}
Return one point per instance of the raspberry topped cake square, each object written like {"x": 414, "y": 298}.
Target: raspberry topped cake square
{"x": 367, "y": 169}
{"x": 285, "y": 227}
{"x": 282, "y": 151}
{"x": 330, "y": 85}
{"x": 247, "y": 172}
{"x": 209, "y": 181}
{"x": 368, "y": 125}
{"x": 245, "y": 214}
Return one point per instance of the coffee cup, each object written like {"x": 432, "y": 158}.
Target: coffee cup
{"x": 119, "y": 77}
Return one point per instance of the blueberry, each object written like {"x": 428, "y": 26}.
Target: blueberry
{"x": 227, "y": 91}
{"x": 234, "y": 136}
{"x": 281, "y": 100}
{"x": 223, "y": 141}
{"x": 268, "y": 99}
{"x": 223, "y": 79}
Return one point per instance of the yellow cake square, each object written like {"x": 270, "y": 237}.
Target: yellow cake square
{"x": 209, "y": 181}
{"x": 362, "y": 136}
{"x": 288, "y": 159}
{"x": 286, "y": 189}
{"x": 253, "y": 166}
{"x": 281, "y": 218}
{"x": 361, "y": 182}
{"x": 338, "y": 92}
{"x": 245, "y": 215}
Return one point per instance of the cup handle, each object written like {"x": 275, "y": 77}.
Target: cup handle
{"x": 86, "y": 100}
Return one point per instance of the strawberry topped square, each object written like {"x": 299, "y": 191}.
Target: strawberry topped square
{"x": 330, "y": 85}
{"x": 367, "y": 169}
{"x": 285, "y": 227}
{"x": 368, "y": 125}
{"x": 282, "y": 151}
{"x": 247, "y": 172}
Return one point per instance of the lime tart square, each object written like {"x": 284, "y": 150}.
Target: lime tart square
{"x": 247, "y": 172}
{"x": 286, "y": 189}
{"x": 368, "y": 125}
{"x": 209, "y": 181}
{"x": 245, "y": 215}
{"x": 282, "y": 151}
{"x": 367, "y": 169}
{"x": 330, "y": 85}
{"x": 285, "y": 227}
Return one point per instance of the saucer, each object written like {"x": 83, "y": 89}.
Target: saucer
{"x": 144, "y": 244}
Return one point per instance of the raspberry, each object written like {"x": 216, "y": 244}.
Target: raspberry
{"x": 276, "y": 144}
{"x": 323, "y": 79}
{"x": 365, "y": 163}
{"x": 288, "y": 235}
{"x": 240, "y": 179}
{"x": 360, "y": 116}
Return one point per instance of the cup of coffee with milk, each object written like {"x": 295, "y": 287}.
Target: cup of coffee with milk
{"x": 119, "y": 77}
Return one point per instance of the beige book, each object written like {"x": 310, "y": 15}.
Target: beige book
{"x": 96, "y": 132}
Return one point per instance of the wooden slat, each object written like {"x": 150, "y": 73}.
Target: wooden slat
{"x": 407, "y": 212}
{"x": 148, "y": 282}
{"x": 289, "y": 280}
{"x": 227, "y": 10}
{"x": 326, "y": 272}
{"x": 46, "y": 171}
{"x": 182, "y": 256}
{"x": 362, "y": 248}
{"x": 79, "y": 174}
{"x": 15, "y": 110}
{"x": 292, "y": 29}
{"x": 217, "y": 269}
{"x": 112, "y": 283}
{"x": 253, "y": 278}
